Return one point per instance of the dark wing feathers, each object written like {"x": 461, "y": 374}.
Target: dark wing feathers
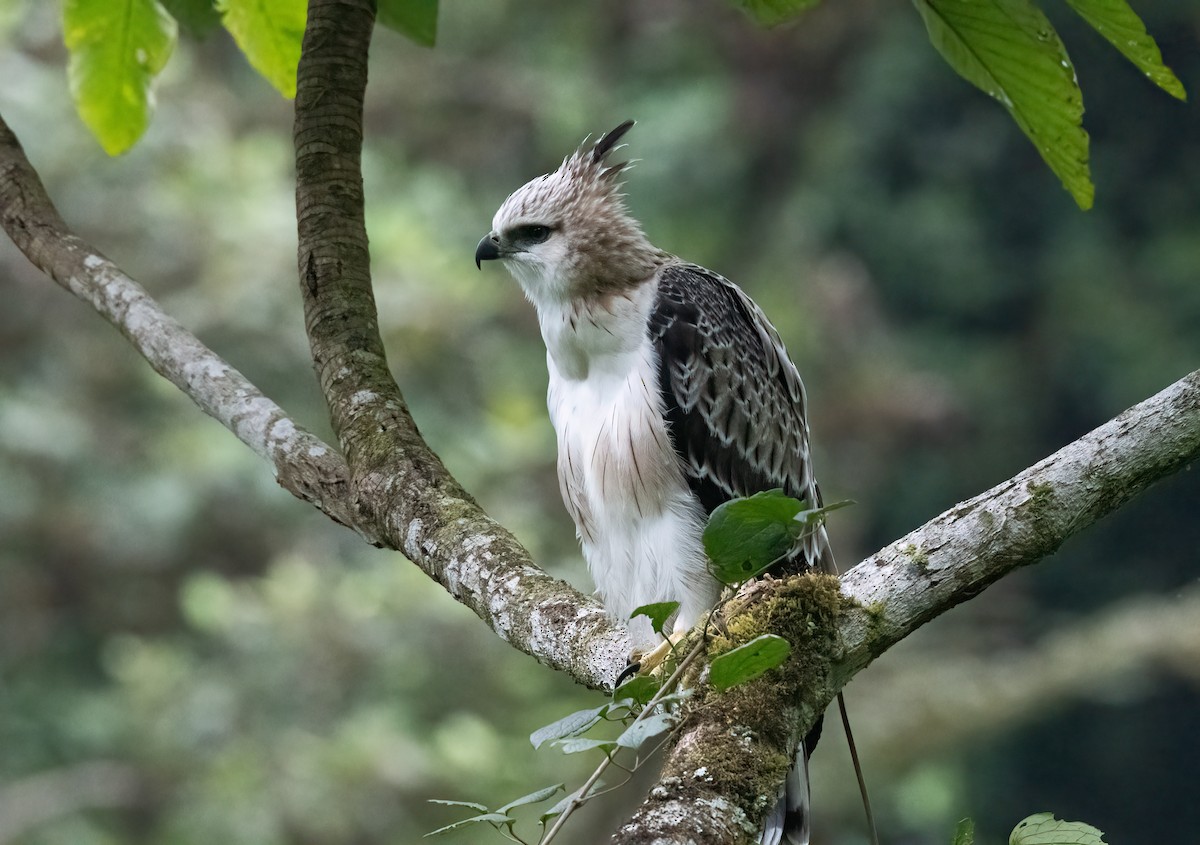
{"x": 734, "y": 402}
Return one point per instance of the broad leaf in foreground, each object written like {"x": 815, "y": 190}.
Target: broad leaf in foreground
{"x": 745, "y": 536}
{"x": 116, "y": 49}
{"x": 747, "y": 662}
{"x": 1117, "y": 22}
{"x": 269, "y": 32}
{"x": 1009, "y": 49}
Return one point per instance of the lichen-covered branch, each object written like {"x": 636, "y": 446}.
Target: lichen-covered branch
{"x": 956, "y": 555}
{"x": 303, "y": 464}
{"x": 723, "y": 773}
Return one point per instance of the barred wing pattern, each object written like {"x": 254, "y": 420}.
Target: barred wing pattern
{"x": 734, "y": 402}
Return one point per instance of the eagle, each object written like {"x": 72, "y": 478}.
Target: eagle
{"x": 670, "y": 393}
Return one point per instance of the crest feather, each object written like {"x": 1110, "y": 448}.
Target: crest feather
{"x": 606, "y": 144}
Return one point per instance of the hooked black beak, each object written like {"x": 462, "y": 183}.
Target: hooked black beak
{"x": 488, "y": 249}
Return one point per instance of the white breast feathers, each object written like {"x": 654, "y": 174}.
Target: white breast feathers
{"x": 637, "y": 521}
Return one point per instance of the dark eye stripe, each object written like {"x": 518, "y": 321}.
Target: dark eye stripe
{"x": 530, "y": 234}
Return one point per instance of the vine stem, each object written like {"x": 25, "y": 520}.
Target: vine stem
{"x": 668, "y": 685}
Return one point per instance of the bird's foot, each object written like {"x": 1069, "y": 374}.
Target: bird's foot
{"x": 651, "y": 662}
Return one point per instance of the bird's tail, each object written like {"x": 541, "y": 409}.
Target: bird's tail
{"x": 789, "y": 821}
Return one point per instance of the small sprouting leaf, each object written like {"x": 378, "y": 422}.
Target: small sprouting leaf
{"x": 658, "y": 613}
{"x": 535, "y": 797}
{"x": 774, "y": 12}
{"x": 572, "y": 725}
{"x": 812, "y": 517}
{"x": 748, "y": 661}
{"x": 485, "y": 818}
{"x": 1044, "y": 829}
{"x": 576, "y": 745}
{"x": 1120, "y": 24}
{"x": 270, "y": 35}
{"x": 964, "y": 832}
{"x": 416, "y": 19}
{"x": 117, "y": 48}
{"x": 745, "y": 536}
{"x": 643, "y": 729}
{"x": 639, "y": 688}
{"x": 470, "y": 804}
{"x": 1010, "y": 50}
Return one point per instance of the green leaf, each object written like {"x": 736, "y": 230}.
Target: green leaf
{"x": 559, "y": 808}
{"x": 470, "y": 804}
{"x": 640, "y": 731}
{"x": 639, "y": 688}
{"x": 197, "y": 17}
{"x": 1117, "y": 22}
{"x": 486, "y": 818}
{"x": 116, "y": 49}
{"x": 745, "y": 536}
{"x": 964, "y": 832}
{"x": 1044, "y": 829}
{"x": 748, "y": 661}
{"x": 574, "y": 746}
{"x": 572, "y": 725}
{"x": 269, "y": 32}
{"x": 535, "y": 797}
{"x": 416, "y": 19}
{"x": 774, "y": 12}
{"x": 658, "y": 613}
{"x": 1009, "y": 49}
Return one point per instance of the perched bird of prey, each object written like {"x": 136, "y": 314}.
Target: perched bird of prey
{"x": 670, "y": 393}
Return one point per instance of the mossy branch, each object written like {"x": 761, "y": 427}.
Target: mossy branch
{"x": 724, "y": 772}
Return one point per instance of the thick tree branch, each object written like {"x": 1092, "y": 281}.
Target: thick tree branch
{"x": 723, "y": 773}
{"x": 304, "y": 465}
{"x": 399, "y": 485}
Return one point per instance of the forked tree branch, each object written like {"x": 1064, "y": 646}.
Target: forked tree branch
{"x": 393, "y": 490}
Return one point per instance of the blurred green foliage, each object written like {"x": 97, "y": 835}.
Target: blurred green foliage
{"x": 259, "y": 676}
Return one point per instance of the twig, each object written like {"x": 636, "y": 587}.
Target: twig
{"x": 582, "y": 797}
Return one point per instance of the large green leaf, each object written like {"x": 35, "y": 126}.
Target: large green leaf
{"x": 1044, "y": 829}
{"x": 415, "y": 18}
{"x": 744, "y": 536}
{"x": 116, "y": 49}
{"x": 748, "y": 661}
{"x": 773, "y": 12}
{"x": 1009, "y": 49}
{"x": 1117, "y": 22}
{"x": 269, "y": 33}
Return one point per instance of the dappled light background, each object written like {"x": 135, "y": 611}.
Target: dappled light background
{"x": 189, "y": 655}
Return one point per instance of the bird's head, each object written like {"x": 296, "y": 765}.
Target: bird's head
{"x": 567, "y": 235}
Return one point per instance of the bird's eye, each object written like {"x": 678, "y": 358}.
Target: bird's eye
{"x": 532, "y": 234}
